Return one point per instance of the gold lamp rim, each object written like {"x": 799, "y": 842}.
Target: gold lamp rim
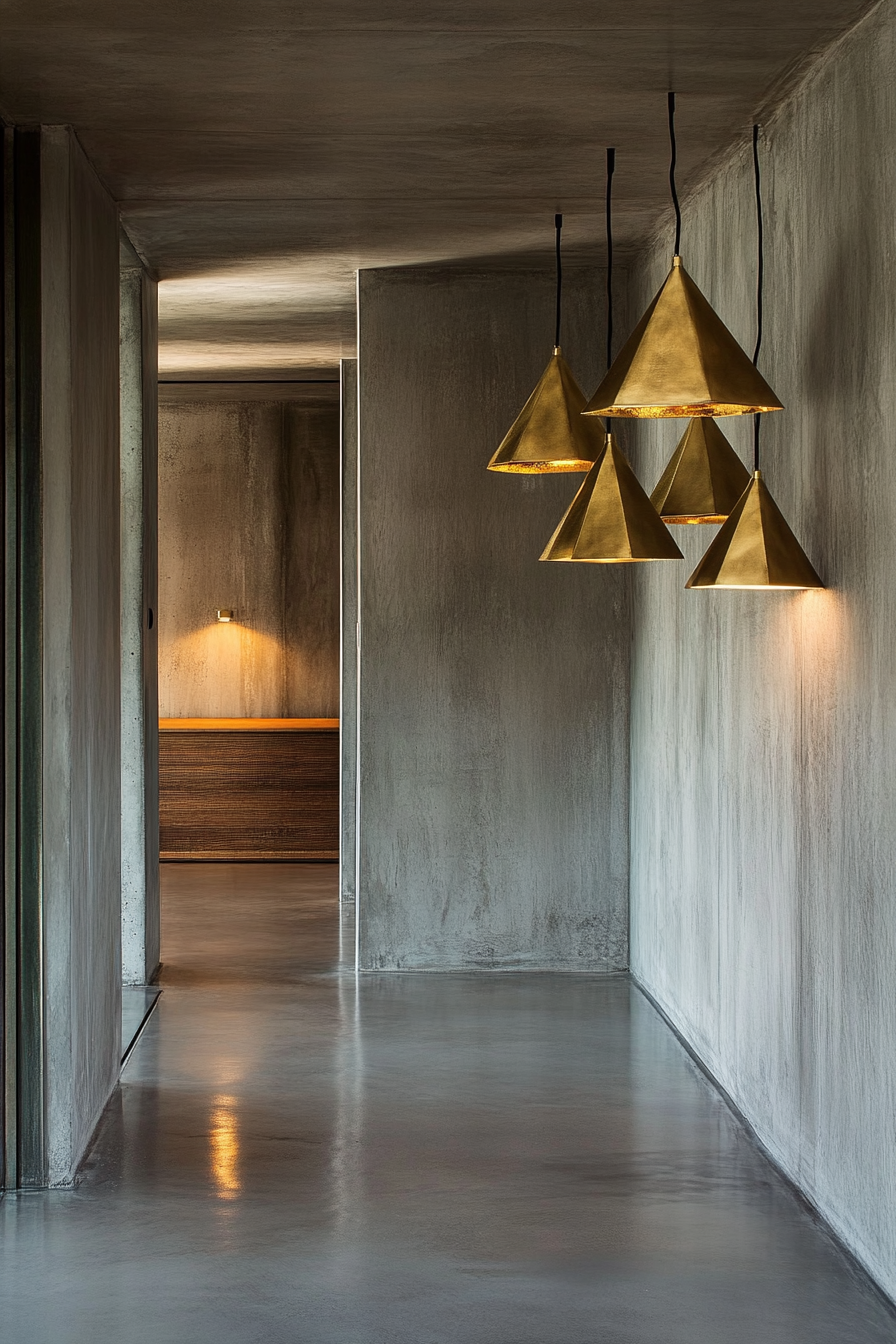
{"x": 694, "y": 410}
{"x": 536, "y": 467}
{"x": 689, "y": 519}
{"x": 759, "y": 587}
{"x": 592, "y": 560}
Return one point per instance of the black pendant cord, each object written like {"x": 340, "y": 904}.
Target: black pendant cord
{"x": 611, "y": 168}
{"x": 558, "y": 225}
{"x": 757, "y": 419}
{"x": 672, "y": 174}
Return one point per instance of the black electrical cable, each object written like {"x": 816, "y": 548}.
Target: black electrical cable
{"x": 672, "y": 174}
{"x": 757, "y": 419}
{"x": 611, "y": 168}
{"x": 558, "y": 225}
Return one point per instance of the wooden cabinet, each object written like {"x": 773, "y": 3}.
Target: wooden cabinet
{"x": 249, "y": 789}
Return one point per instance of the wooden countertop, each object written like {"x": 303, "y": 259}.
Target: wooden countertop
{"x": 247, "y": 725}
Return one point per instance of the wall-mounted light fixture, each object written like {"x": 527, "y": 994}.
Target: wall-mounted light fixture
{"x": 225, "y": 614}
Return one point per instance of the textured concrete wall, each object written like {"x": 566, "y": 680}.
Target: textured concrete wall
{"x": 348, "y": 711}
{"x": 493, "y": 689}
{"x": 140, "y": 924}
{"x": 249, "y": 519}
{"x": 763, "y": 725}
{"x": 80, "y": 622}
{"x": 311, "y": 559}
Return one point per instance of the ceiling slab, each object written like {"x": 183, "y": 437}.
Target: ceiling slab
{"x": 263, "y": 154}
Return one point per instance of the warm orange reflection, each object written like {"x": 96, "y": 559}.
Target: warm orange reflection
{"x": 225, "y": 1147}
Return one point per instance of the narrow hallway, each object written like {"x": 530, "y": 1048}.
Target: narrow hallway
{"x": 297, "y": 1155}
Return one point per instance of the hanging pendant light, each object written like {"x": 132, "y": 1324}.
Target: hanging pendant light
{"x": 681, "y": 360}
{"x": 755, "y": 548}
{"x": 549, "y": 434}
{"x": 611, "y": 520}
{"x": 704, "y": 478}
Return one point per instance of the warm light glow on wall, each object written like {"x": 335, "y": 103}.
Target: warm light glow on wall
{"x": 236, "y": 671}
{"x": 827, "y": 637}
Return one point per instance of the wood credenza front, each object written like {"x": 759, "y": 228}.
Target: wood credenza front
{"x": 249, "y": 789}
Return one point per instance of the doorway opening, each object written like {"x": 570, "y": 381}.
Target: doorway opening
{"x": 249, "y": 669}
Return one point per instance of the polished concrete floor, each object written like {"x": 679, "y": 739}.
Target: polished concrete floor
{"x": 295, "y": 1157}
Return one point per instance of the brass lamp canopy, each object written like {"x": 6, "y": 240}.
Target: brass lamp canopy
{"x": 611, "y": 520}
{"x": 755, "y": 548}
{"x": 549, "y": 434}
{"x": 704, "y": 478}
{"x": 681, "y": 360}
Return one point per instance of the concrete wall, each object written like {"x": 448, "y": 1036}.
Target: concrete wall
{"x": 348, "y": 711}
{"x": 140, "y": 904}
{"x": 493, "y": 689}
{"x": 81, "y": 781}
{"x": 249, "y": 519}
{"x": 763, "y": 725}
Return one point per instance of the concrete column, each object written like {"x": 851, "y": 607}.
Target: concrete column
{"x": 493, "y": 710}
{"x": 140, "y": 926}
{"x": 348, "y": 712}
{"x": 68, "y": 661}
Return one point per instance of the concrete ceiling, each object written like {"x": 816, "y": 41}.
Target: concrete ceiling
{"x": 262, "y": 153}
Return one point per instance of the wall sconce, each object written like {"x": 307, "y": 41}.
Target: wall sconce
{"x": 225, "y": 614}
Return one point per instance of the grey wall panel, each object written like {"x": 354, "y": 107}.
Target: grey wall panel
{"x": 349, "y": 654}
{"x": 249, "y": 519}
{"x": 311, "y": 560}
{"x": 763, "y": 725}
{"x": 494, "y": 689}
{"x": 150, "y": 643}
{"x": 139, "y": 643}
{"x": 96, "y": 725}
{"x": 81, "y": 883}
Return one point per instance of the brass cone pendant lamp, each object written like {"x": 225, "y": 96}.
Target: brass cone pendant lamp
{"x": 611, "y": 520}
{"x": 755, "y": 548}
{"x": 704, "y": 478}
{"x": 549, "y": 434}
{"x": 681, "y": 360}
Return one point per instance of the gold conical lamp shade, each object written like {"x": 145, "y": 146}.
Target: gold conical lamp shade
{"x": 549, "y": 433}
{"x": 704, "y": 478}
{"x": 755, "y": 548}
{"x": 611, "y": 520}
{"x": 681, "y": 360}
